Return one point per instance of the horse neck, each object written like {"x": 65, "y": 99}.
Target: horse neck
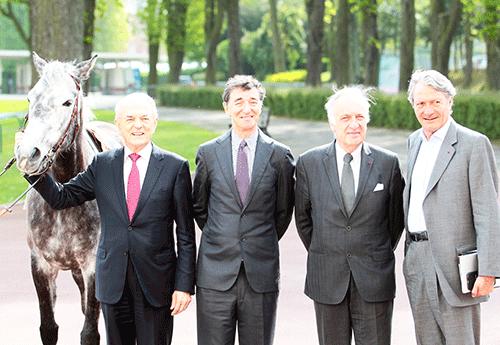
{"x": 70, "y": 161}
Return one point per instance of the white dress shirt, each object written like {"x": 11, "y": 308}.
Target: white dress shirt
{"x": 355, "y": 163}
{"x": 422, "y": 170}
{"x": 142, "y": 164}
{"x": 249, "y": 150}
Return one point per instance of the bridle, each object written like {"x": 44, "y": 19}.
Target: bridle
{"x": 48, "y": 159}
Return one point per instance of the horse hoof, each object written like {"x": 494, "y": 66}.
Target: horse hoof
{"x": 49, "y": 335}
{"x": 90, "y": 338}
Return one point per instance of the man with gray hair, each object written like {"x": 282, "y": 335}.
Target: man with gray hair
{"x": 243, "y": 202}
{"x": 349, "y": 215}
{"x": 451, "y": 208}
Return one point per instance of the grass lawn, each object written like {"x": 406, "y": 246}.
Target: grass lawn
{"x": 177, "y": 137}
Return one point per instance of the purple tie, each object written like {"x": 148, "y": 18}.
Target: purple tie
{"x": 242, "y": 176}
{"x": 133, "y": 186}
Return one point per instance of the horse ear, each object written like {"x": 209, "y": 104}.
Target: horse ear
{"x": 39, "y": 63}
{"x": 84, "y": 67}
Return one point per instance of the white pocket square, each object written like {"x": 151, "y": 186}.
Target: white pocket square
{"x": 379, "y": 187}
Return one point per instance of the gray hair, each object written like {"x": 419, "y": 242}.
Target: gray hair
{"x": 433, "y": 79}
{"x": 363, "y": 93}
{"x": 136, "y": 97}
{"x": 246, "y": 82}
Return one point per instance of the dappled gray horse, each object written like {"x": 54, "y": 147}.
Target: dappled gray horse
{"x": 59, "y": 140}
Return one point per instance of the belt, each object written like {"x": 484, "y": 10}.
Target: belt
{"x": 419, "y": 236}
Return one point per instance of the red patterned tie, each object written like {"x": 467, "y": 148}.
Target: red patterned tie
{"x": 133, "y": 186}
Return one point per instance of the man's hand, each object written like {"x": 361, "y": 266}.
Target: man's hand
{"x": 180, "y": 302}
{"x": 19, "y": 138}
{"x": 483, "y": 286}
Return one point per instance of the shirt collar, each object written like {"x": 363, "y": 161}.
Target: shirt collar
{"x": 356, "y": 154}
{"x": 251, "y": 140}
{"x": 440, "y": 133}
{"x": 144, "y": 153}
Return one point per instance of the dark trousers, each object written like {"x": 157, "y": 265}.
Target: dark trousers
{"x": 134, "y": 318}
{"x": 370, "y": 321}
{"x": 219, "y": 312}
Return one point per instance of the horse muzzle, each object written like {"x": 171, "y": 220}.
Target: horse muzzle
{"x": 30, "y": 160}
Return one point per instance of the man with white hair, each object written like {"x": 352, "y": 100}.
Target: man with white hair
{"x": 451, "y": 207}
{"x": 141, "y": 191}
{"x": 349, "y": 215}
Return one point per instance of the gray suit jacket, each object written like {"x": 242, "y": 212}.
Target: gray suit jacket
{"x": 460, "y": 207}
{"x": 232, "y": 232}
{"x": 360, "y": 244}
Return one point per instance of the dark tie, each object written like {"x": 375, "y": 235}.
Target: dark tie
{"x": 242, "y": 176}
{"x": 347, "y": 185}
{"x": 133, "y": 186}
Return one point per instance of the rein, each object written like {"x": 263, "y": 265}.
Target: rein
{"x": 48, "y": 159}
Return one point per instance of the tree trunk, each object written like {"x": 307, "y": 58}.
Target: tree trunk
{"x": 407, "y": 46}
{"x": 154, "y": 53}
{"x": 469, "y": 48}
{"x": 279, "y": 52}
{"x": 214, "y": 17}
{"x": 492, "y": 38}
{"x": 176, "y": 37}
{"x": 330, "y": 45}
{"x": 315, "y": 18}
{"x": 57, "y": 30}
{"x": 234, "y": 34}
{"x": 355, "y": 73}
{"x": 88, "y": 32}
{"x": 342, "y": 56}
{"x": 371, "y": 44}
{"x": 447, "y": 22}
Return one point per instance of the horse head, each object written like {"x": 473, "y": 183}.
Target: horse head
{"x": 55, "y": 113}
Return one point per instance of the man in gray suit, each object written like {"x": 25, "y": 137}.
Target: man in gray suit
{"x": 451, "y": 206}
{"x": 349, "y": 215}
{"x": 243, "y": 201}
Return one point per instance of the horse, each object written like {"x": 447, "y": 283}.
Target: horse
{"x": 59, "y": 139}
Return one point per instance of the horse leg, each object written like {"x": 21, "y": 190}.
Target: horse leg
{"x": 78, "y": 278}
{"x": 44, "y": 278}
{"x": 90, "y": 332}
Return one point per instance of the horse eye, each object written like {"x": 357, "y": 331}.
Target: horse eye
{"x": 67, "y": 103}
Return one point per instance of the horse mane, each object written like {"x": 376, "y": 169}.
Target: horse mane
{"x": 53, "y": 76}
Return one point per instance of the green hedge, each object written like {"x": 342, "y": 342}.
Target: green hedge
{"x": 480, "y": 112}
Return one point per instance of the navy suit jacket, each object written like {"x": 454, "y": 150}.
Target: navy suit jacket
{"x": 148, "y": 240}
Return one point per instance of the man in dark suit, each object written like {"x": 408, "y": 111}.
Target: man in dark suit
{"x": 141, "y": 190}
{"x": 349, "y": 215}
{"x": 243, "y": 202}
{"x": 451, "y": 207}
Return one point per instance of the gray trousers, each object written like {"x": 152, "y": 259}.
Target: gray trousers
{"x": 371, "y": 322}
{"x": 219, "y": 313}
{"x": 436, "y": 321}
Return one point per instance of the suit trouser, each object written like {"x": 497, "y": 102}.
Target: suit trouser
{"x": 436, "y": 321}
{"x": 218, "y": 313}
{"x": 371, "y": 322}
{"x": 134, "y": 318}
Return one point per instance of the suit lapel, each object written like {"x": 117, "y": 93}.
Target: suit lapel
{"x": 444, "y": 157}
{"x": 152, "y": 175}
{"x": 223, "y": 152}
{"x": 263, "y": 153}
{"x": 117, "y": 166}
{"x": 330, "y": 164}
{"x": 366, "y": 165}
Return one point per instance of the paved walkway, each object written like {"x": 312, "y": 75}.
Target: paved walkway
{"x": 19, "y": 316}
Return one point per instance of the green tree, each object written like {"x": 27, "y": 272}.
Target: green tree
{"x": 234, "y": 35}
{"x": 492, "y": 38}
{"x": 407, "y": 51}
{"x": 214, "y": 18}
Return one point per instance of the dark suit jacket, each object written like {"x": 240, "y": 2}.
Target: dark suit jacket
{"x": 233, "y": 232}
{"x": 148, "y": 239}
{"x": 360, "y": 244}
